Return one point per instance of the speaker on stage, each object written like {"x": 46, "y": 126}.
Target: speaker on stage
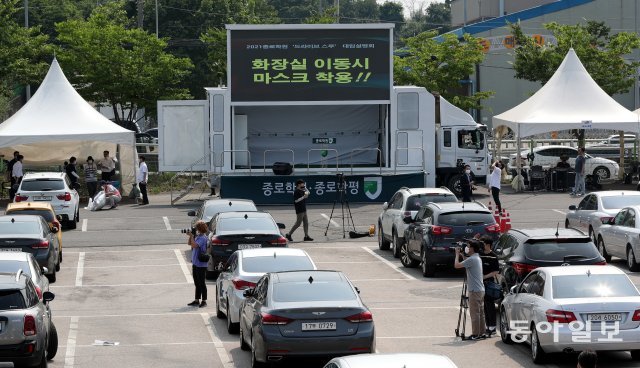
{"x": 282, "y": 168}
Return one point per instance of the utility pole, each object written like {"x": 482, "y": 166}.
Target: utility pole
{"x": 337, "y": 11}
{"x": 26, "y": 25}
{"x": 157, "y": 34}
{"x": 140, "y": 13}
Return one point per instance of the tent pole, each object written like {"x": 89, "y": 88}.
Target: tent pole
{"x": 518, "y": 161}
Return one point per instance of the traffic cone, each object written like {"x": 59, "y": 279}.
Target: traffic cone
{"x": 503, "y": 220}
{"x": 496, "y": 216}
{"x": 508, "y": 222}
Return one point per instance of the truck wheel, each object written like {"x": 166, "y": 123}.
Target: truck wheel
{"x": 454, "y": 185}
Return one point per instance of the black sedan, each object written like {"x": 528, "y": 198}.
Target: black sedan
{"x": 212, "y": 207}
{"x": 31, "y": 234}
{"x": 304, "y": 314}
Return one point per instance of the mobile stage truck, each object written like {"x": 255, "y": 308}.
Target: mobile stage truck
{"x": 320, "y": 99}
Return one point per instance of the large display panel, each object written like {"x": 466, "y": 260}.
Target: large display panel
{"x": 310, "y": 65}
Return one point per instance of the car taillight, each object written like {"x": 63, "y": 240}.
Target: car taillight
{"x": 20, "y": 198}
{"x": 441, "y": 230}
{"x": 605, "y": 219}
{"x": 270, "y": 319}
{"x": 218, "y": 241}
{"x": 365, "y": 316}
{"x": 39, "y": 292}
{"x": 495, "y": 228}
{"x": 240, "y": 284}
{"x": 522, "y": 269}
{"x": 64, "y": 197}
{"x": 603, "y": 263}
{"x": 636, "y": 315}
{"x": 29, "y": 328}
{"x": 42, "y": 244}
{"x": 560, "y": 316}
{"x": 279, "y": 241}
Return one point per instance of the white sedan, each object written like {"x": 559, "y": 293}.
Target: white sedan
{"x": 573, "y": 308}
{"x": 408, "y": 360}
{"x": 620, "y": 237}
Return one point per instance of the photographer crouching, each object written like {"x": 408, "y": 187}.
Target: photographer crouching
{"x": 198, "y": 243}
{"x": 475, "y": 286}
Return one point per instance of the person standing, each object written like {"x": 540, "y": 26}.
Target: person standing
{"x": 475, "y": 287}
{"x": 143, "y": 177}
{"x": 10, "y": 167}
{"x": 70, "y": 169}
{"x": 199, "y": 270}
{"x": 107, "y": 165}
{"x": 494, "y": 183}
{"x": 579, "y": 189}
{"x": 90, "y": 178}
{"x": 16, "y": 175}
{"x": 300, "y": 196}
{"x": 466, "y": 183}
{"x": 490, "y": 269}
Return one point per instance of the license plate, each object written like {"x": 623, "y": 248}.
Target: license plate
{"x": 318, "y": 326}
{"x": 10, "y": 249}
{"x": 41, "y": 198}
{"x": 604, "y": 317}
{"x": 249, "y": 246}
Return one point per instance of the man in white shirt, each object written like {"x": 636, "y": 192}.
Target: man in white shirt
{"x": 16, "y": 175}
{"x": 143, "y": 176}
{"x": 494, "y": 183}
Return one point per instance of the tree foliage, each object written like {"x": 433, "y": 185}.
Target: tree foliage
{"x": 109, "y": 62}
{"x": 440, "y": 66}
{"x": 437, "y": 16}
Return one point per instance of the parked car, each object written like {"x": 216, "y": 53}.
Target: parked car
{"x": 41, "y": 209}
{"x": 29, "y": 338}
{"x": 521, "y": 251}
{"x": 12, "y": 262}
{"x": 408, "y": 360}
{"x": 231, "y": 231}
{"x": 432, "y": 233}
{"x": 244, "y": 268}
{"x": 620, "y": 237}
{"x": 31, "y": 234}
{"x": 599, "y": 207}
{"x": 573, "y": 298}
{"x": 550, "y": 155}
{"x": 211, "y": 207}
{"x": 405, "y": 203}
{"x": 54, "y": 188}
{"x": 304, "y": 314}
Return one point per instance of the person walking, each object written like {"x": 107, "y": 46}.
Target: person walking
{"x": 466, "y": 184}
{"x": 90, "y": 178}
{"x": 199, "y": 269}
{"x": 72, "y": 173}
{"x": 494, "y": 183}
{"x": 475, "y": 287}
{"x": 490, "y": 269}
{"x": 143, "y": 177}
{"x": 16, "y": 175}
{"x": 300, "y": 196}
{"x": 107, "y": 165}
{"x": 579, "y": 189}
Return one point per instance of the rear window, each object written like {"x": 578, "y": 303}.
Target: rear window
{"x": 276, "y": 264}
{"x": 592, "y": 286}
{"x": 620, "y": 202}
{"x": 14, "y": 266}
{"x": 19, "y": 227}
{"x": 211, "y": 211}
{"x": 248, "y": 224}
{"x": 312, "y": 292}
{"x": 42, "y": 185}
{"x": 465, "y": 218}
{"x": 416, "y": 201}
{"x": 47, "y": 215}
{"x": 11, "y": 299}
{"x": 553, "y": 251}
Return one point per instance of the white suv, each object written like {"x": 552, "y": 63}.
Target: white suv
{"x": 405, "y": 203}
{"x": 55, "y": 188}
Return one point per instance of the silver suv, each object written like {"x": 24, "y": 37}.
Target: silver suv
{"x": 405, "y": 203}
{"x": 28, "y": 337}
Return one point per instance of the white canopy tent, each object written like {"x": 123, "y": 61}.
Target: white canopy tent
{"x": 58, "y": 123}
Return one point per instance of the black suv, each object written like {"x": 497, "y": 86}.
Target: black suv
{"x": 432, "y": 234}
{"x": 523, "y": 250}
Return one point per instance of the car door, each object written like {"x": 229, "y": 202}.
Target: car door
{"x": 589, "y": 206}
{"x": 516, "y": 316}
{"x": 421, "y": 231}
{"x": 616, "y": 235}
{"x": 389, "y": 214}
{"x": 250, "y": 307}
{"x": 532, "y": 299}
{"x": 224, "y": 284}
{"x": 628, "y": 232}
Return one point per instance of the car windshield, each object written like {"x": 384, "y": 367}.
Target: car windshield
{"x": 465, "y": 218}
{"x": 255, "y": 224}
{"x": 47, "y": 215}
{"x": 212, "y": 210}
{"x": 276, "y": 264}
{"x": 14, "y": 266}
{"x": 41, "y": 185}
{"x": 416, "y": 201}
{"x": 550, "y": 251}
{"x": 11, "y": 299}
{"x": 316, "y": 291}
{"x": 622, "y": 201}
{"x": 592, "y": 286}
{"x": 19, "y": 227}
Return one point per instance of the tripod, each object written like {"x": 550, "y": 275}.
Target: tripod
{"x": 341, "y": 195}
{"x": 462, "y": 314}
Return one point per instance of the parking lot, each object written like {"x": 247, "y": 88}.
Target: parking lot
{"x": 125, "y": 281}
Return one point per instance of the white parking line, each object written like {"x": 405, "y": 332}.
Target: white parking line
{"x": 560, "y": 212}
{"x": 409, "y": 277}
{"x": 414, "y": 337}
{"x": 84, "y": 224}
{"x": 131, "y": 315}
{"x": 80, "y": 270}
{"x": 345, "y": 262}
{"x": 335, "y": 224}
{"x": 222, "y": 352}
{"x": 119, "y": 285}
{"x": 413, "y": 308}
{"x": 166, "y": 222}
{"x": 183, "y": 265}
{"x": 69, "y": 357}
{"x": 133, "y": 266}
{"x": 127, "y": 250}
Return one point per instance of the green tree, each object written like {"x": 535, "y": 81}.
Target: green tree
{"x": 440, "y": 66}
{"x": 392, "y": 12}
{"x": 328, "y": 16}
{"x": 111, "y": 62}
{"x": 359, "y": 11}
{"x": 437, "y": 16}
{"x": 46, "y": 13}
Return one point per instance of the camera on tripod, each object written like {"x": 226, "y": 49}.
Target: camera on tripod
{"x": 187, "y": 231}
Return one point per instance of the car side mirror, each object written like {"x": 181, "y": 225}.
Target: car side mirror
{"x": 48, "y": 296}
{"x": 513, "y": 289}
{"x": 612, "y": 221}
{"x": 357, "y": 290}
{"x": 572, "y": 208}
{"x": 54, "y": 230}
{"x": 59, "y": 217}
{"x": 385, "y": 205}
{"x": 191, "y": 213}
{"x": 248, "y": 293}
{"x": 45, "y": 270}
{"x": 281, "y": 225}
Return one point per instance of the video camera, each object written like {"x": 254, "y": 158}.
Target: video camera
{"x": 187, "y": 231}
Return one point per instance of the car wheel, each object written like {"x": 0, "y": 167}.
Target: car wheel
{"x": 52, "y": 276}
{"x": 428, "y": 269}
{"x": 504, "y": 328}
{"x": 566, "y": 224}
{"x": 52, "y": 346}
{"x": 78, "y": 214}
{"x": 396, "y": 245}
{"x": 383, "y": 244}
{"x": 58, "y": 263}
{"x": 631, "y": 260}
{"x": 405, "y": 257}
{"x": 243, "y": 344}
{"x": 592, "y": 235}
{"x": 71, "y": 224}
{"x": 602, "y": 172}
{"x": 603, "y": 250}
{"x": 635, "y": 354}
{"x": 219, "y": 313}
{"x": 232, "y": 328}
{"x": 254, "y": 362}
{"x": 537, "y": 353}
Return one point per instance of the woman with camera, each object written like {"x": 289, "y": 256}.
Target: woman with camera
{"x": 199, "y": 259}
